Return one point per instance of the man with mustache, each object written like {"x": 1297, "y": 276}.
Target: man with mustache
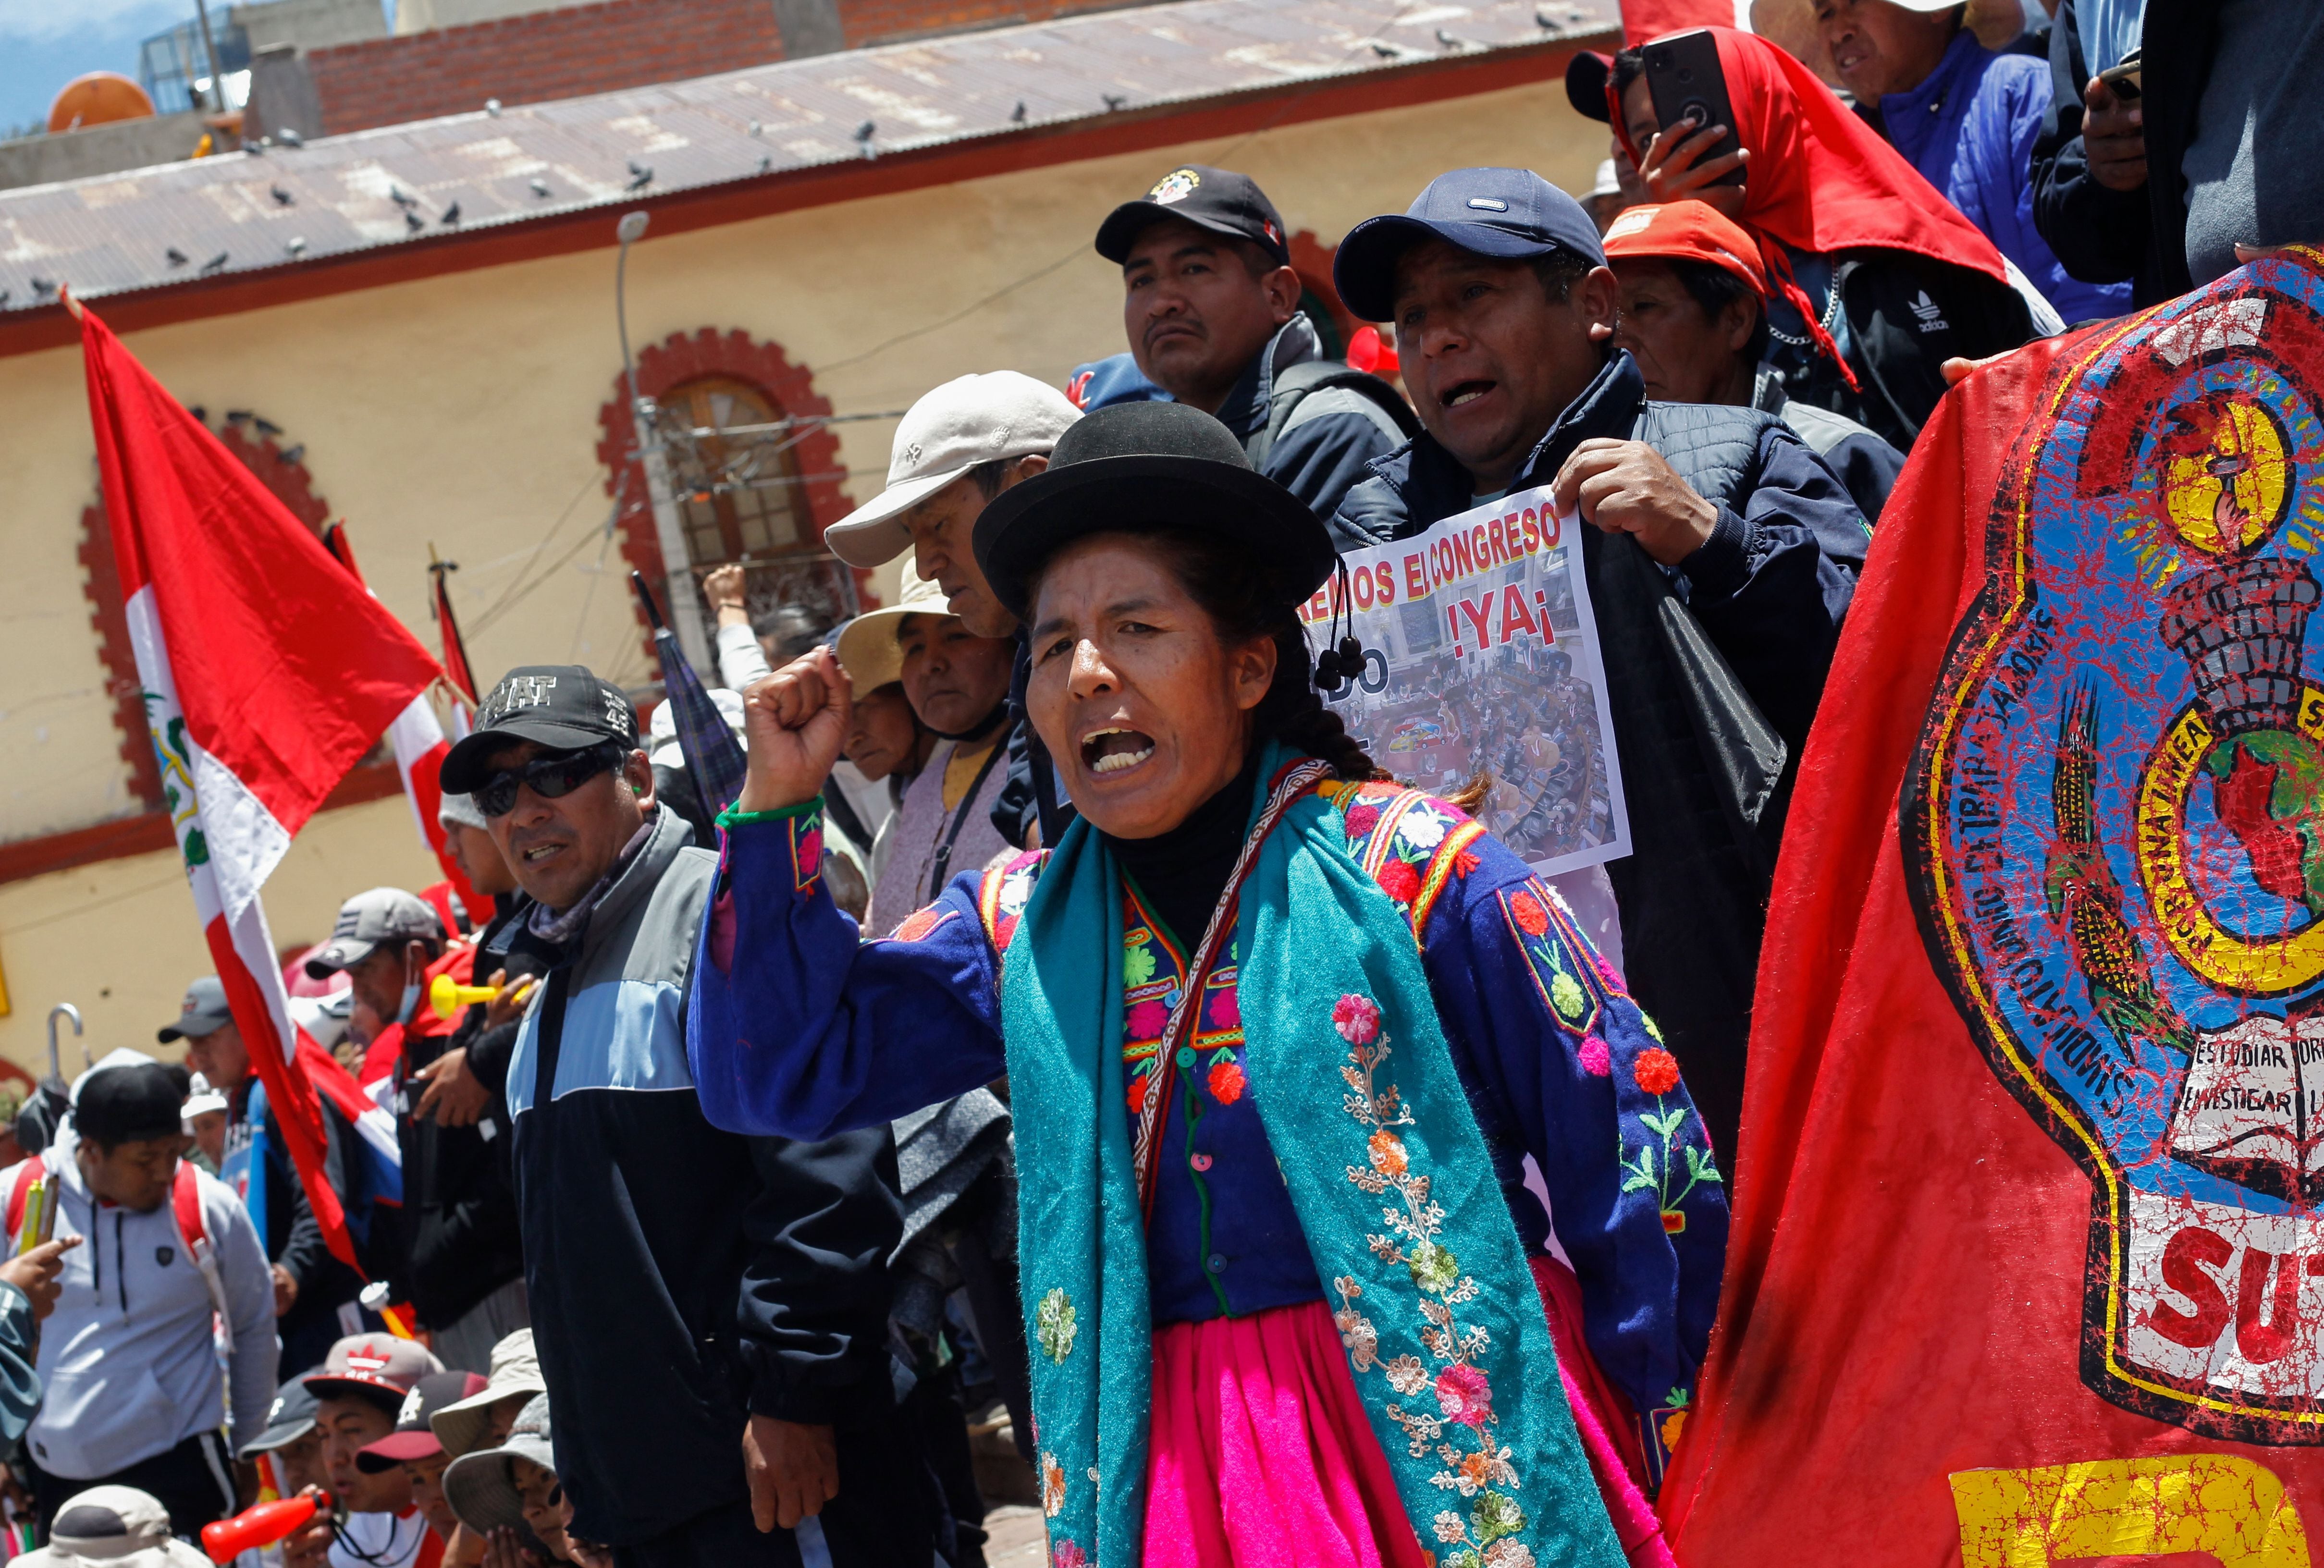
{"x": 710, "y": 1311}
{"x": 1211, "y": 309}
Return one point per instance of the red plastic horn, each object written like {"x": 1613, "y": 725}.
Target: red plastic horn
{"x": 262, "y": 1526}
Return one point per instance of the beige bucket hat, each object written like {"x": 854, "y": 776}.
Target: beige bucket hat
{"x": 867, "y": 646}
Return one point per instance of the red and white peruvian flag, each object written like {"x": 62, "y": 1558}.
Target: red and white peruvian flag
{"x": 268, "y": 671}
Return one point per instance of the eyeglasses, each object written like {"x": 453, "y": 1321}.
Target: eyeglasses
{"x": 551, "y": 776}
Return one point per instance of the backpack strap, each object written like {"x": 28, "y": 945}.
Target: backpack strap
{"x": 1292, "y": 401}
{"x": 186, "y": 1207}
{"x": 32, "y": 1170}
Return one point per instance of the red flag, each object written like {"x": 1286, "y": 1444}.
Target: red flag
{"x": 2026, "y": 1265}
{"x": 1645, "y": 19}
{"x": 267, "y": 672}
{"x": 456, "y": 649}
{"x": 418, "y": 739}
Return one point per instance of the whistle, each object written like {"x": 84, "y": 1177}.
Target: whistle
{"x": 262, "y": 1526}
{"x": 448, "y": 996}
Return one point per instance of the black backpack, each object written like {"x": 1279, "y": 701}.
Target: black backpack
{"x": 1294, "y": 401}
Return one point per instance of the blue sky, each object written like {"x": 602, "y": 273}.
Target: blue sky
{"x": 45, "y": 43}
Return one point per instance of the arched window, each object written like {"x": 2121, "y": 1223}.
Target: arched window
{"x": 753, "y": 467}
{"x": 735, "y": 464}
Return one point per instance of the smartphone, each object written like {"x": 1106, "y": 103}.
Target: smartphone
{"x": 2122, "y": 81}
{"x": 1686, "y": 83}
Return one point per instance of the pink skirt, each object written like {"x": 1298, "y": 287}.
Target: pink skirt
{"x": 1261, "y": 1455}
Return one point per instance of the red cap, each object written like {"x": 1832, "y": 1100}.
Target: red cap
{"x": 413, "y": 1438}
{"x": 1686, "y": 231}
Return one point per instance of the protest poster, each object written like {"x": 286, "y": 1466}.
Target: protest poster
{"x": 1480, "y": 654}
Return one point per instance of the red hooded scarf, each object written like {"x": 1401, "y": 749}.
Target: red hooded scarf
{"x": 1821, "y": 180}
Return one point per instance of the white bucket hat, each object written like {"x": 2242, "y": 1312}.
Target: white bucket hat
{"x": 867, "y": 645}
{"x": 118, "y": 1525}
{"x": 976, "y": 419}
{"x": 462, "y": 1424}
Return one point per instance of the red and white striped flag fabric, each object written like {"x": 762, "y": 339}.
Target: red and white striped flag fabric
{"x": 268, "y": 671}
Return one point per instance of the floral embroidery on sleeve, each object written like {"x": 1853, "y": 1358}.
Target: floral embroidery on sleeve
{"x": 1656, "y": 1170}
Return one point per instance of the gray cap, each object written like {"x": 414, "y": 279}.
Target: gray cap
{"x": 481, "y": 1487}
{"x": 462, "y": 809}
{"x": 203, "y": 1012}
{"x": 368, "y": 920}
{"x": 290, "y": 1418}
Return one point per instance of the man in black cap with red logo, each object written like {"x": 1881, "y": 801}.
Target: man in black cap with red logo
{"x": 1215, "y": 318}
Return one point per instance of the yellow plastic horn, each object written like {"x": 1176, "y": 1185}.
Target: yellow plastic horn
{"x": 448, "y": 996}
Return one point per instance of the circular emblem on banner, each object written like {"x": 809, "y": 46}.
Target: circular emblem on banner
{"x": 2115, "y": 832}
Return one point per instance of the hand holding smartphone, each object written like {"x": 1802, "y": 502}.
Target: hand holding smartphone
{"x": 1689, "y": 87}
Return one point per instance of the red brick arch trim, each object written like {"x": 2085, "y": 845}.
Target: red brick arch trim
{"x": 290, "y": 482}
{"x": 685, "y": 357}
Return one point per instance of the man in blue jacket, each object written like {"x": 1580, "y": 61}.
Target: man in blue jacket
{"x": 1964, "y": 117}
{"x": 1504, "y": 310}
{"x": 1211, "y": 305}
{"x": 710, "y": 1311}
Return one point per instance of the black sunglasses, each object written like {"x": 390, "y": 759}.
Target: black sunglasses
{"x": 551, "y": 775}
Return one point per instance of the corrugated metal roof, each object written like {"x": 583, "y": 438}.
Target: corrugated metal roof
{"x": 246, "y": 213}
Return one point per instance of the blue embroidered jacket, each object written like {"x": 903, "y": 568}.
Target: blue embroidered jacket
{"x": 795, "y": 1029}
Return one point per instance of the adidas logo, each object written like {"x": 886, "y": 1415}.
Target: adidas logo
{"x": 1931, "y": 315}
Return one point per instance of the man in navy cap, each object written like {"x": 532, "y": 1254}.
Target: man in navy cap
{"x": 1504, "y": 314}
{"x": 1212, "y": 307}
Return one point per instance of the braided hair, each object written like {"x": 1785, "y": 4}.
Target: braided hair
{"x": 1218, "y": 580}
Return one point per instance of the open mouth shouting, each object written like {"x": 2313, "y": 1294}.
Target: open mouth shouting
{"x": 1465, "y": 392}
{"x": 1115, "y": 749}
{"x": 542, "y": 852}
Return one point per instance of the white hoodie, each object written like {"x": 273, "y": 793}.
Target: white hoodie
{"x": 127, "y": 1363}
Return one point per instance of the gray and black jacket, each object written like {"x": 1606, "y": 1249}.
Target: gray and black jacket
{"x": 1713, "y": 672}
{"x": 681, "y": 1278}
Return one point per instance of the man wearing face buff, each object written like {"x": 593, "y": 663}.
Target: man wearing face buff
{"x": 1256, "y": 996}
{"x": 710, "y": 1311}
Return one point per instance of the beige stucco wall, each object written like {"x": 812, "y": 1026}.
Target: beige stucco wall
{"x": 462, "y": 411}
{"x": 117, "y": 939}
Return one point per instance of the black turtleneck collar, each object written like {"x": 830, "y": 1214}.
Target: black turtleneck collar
{"x": 1181, "y": 873}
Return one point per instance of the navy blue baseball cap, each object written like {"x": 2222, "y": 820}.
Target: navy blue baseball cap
{"x": 1513, "y": 214}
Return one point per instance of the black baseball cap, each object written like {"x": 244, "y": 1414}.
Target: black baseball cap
{"x": 1217, "y": 200}
{"x": 134, "y": 1100}
{"x": 1140, "y": 467}
{"x": 1586, "y": 75}
{"x": 1512, "y": 214}
{"x": 562, "y": 707}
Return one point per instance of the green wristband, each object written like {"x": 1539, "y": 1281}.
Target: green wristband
{"x": 734, "y": 817}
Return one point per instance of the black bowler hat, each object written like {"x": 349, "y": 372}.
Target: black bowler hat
{"x": 1140, "y": 467}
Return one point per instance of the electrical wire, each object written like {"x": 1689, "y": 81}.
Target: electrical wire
{"x": 1270, "y": 124}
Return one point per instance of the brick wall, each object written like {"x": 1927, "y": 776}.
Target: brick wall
{"x": 603, "y": 47}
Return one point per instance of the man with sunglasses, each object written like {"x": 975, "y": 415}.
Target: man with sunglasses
{"x": 710, "y": 1311}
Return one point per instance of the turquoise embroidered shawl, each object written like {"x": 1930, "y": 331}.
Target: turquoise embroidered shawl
{"x": 1391, "y": 1180}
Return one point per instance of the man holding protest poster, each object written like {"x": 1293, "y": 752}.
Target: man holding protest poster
{"x": 1717, "y": 614}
